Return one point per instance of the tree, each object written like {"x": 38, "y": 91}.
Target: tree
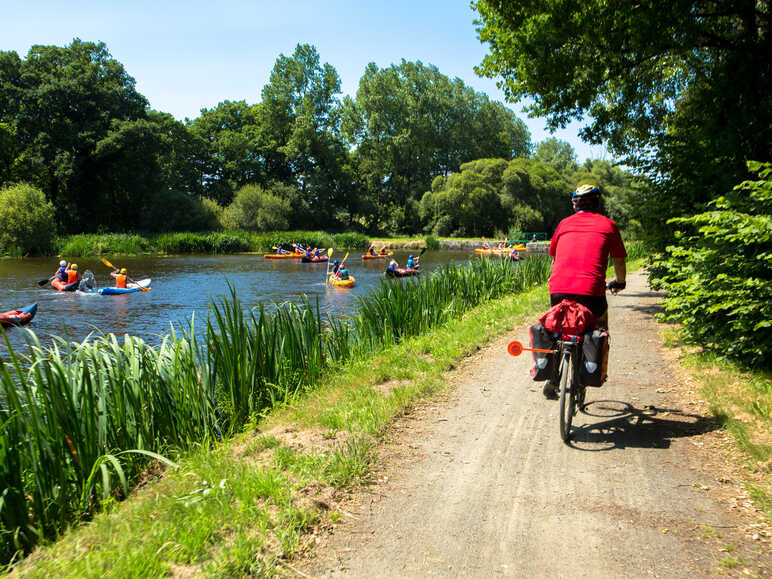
{"x": 409, "y": 123}
{"x": 26, "y": 220}
{"x": 678, "y": 87}
{"x": 64, "y": 102}
{"x": 557, "y": 154}
{"x": 299, "y": 130}
{"x": 232, "y": 153}
{"x": 256, "y": 209}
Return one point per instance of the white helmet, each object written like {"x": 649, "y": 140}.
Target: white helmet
{"x": 63, "y": 263}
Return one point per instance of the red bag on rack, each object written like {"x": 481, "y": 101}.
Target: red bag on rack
{"x": 569, "y": 318}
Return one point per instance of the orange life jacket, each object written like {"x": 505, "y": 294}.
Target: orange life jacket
{"x": 72, "y": 275}
{"x": 120, "y": 280}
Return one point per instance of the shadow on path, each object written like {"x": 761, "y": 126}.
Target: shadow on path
{"x": 626, "y": 426}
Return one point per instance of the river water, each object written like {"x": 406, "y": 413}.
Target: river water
{"x": 183, "y": 286}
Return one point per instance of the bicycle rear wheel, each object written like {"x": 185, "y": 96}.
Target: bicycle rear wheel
{"x": 567, "y": 395}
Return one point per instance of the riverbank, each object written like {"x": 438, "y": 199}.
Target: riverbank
{"x": 247, "y": 506}
{"x": 215, "y": 242}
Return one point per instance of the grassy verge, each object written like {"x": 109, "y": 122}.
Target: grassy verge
{"x": 741, "y": 400}
{"x": 243, "y": 508}
{"x": 207, "y": 242}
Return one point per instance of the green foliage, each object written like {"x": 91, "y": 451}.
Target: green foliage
{"x": 557, "y": 154}
{"x": 432, "y": 243}
{"x": 255, "y": 209}
{"x": 490, "y": 195}
{"x": 26, "y": 220}
{"x": 80, "y": 421}
{"x": 177, "y": 211}
{"x": 690, "y": 123}
{"x": 717, "y": 275}
{"x": 409, "y": 124}
{"x": 103, "y": 244}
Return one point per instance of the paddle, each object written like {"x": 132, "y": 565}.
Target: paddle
{"x": 110, "y": 265}
{"x": 327, "y": 270}
{"x": 43, "y": 282}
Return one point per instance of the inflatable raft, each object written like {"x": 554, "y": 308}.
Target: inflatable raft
{"x": 402, "y": 272}
{"x": 350, "y": 282}
{"x": 61, "y": 286}
{"x": 315, "y": 259}
{"x": 20, "y": 317}
{"x": 129, "y": 289}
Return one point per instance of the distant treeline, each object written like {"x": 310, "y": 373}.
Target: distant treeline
{"x": 74, "y": 127}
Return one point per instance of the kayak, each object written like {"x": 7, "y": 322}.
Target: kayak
{"x": 497, "y": 251}
{"x": 315, "y": 259}
{"x": 129, "y": 289}
{"x": 20, "y": 317}
{"x": 402, "y": 272}
{"x": 489, "y": 251}
{"x": 377, "y": 256}
{"x": 284, "y": 255}
{"x": 350, "y": 282}
{"x": 63, "y": 286}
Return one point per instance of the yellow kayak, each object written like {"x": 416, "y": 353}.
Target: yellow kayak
{"x": 350, "y": 282}
{"x": 490, "y": 251}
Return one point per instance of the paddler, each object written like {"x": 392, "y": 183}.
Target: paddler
{"x": 61, "y": 273}
{"x": 393, "y": 265}
{"x": 120, "y": 277}
{"x": 335, "y": 266}
{"x": 410, "y": 262}
{"x": 342, "y": 272}
{"x": 72, "y": 274}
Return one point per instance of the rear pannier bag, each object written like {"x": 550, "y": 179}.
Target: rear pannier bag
{"x": 595, "y": 349}
{"x": 543, "y": 363}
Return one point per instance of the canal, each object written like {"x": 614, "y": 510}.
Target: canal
{"x": 183, "y": 286}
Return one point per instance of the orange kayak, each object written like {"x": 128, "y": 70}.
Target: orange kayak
{"x": 378, "y": 256}
{"x": 283, "y": 255}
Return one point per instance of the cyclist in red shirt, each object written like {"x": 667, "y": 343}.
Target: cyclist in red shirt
{"x": 580, "y": 249}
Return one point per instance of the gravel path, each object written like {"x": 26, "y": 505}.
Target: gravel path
{"x": 480, "y": 484}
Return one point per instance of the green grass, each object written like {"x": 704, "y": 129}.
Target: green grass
{"x": 179, "y": 523}
{"x": 81, "y": 420}
{"x": 213, "y": 242}
{"x": 741, "y": 401}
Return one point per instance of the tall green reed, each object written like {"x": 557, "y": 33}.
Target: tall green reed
{"x": 78, "y": 421}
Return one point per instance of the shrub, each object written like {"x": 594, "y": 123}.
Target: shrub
{"x": 255, "y": 209}
{"x": 86, "y": 244}
{"x": 432, "y": 243}
{"x": 27, "y": 223}
{"x": 717, "y": 277}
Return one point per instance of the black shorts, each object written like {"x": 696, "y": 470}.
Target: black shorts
{"x": 596, "y": 304}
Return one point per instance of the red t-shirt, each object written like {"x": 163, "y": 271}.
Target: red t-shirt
{"x": 581, "y": 247}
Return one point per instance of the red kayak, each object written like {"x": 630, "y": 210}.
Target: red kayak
{"x": 315, "y": 259}
{"x": 402, "y": 272}
{"x": 64, "y": 286}
{"x": 20, "y": 317}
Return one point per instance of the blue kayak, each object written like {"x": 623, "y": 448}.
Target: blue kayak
{"x": 129, "y": 289}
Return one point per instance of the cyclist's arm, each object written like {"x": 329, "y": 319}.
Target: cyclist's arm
{"x": 620, "y": 268}
{"x": 620, "y": 272}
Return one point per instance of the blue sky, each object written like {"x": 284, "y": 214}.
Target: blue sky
{"x": 190, "y": 55}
